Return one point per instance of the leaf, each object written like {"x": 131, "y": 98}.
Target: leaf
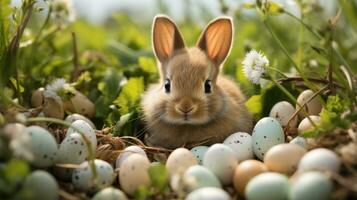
{"x": 148, "y": 64}
{"x": 16, "y": 170}
{"x": 275, "y": 8}
{"x": 254, "y": 104}
{"x": 142, "y": 193}
{"x": 129, "y": 97}
{"x": 158, "y": 176}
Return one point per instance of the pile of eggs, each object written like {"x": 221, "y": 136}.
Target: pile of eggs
{"x": 260, "y": 165}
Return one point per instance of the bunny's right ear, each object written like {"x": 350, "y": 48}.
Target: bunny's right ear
{"x": 166, "y": 37}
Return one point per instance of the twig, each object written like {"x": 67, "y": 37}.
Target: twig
{"x": 75, "y": 72}
{"x": 298, "y": 78}
{"x": 302, "y": 106}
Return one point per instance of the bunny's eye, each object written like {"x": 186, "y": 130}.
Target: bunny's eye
{"x": 207, "y": 86}
{"x": 167, "y": 85}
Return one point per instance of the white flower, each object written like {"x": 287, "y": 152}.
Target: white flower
{"x": 20, "y": 142}
{"x": 54, "y": 89}
{"x": 63, "y": 12}
{"x": 254, "y": 65}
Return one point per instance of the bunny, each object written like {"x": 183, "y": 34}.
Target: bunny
{"x": 192, "y": 104}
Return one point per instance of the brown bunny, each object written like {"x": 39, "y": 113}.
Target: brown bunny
{"x": 192, "y": 103}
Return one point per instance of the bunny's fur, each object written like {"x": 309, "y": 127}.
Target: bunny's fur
{"x": 186, "y": 115}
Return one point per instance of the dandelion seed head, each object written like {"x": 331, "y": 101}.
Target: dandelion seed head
{"x": 254, "y": 65}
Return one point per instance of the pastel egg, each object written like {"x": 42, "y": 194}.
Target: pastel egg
{"x": 72, "y": 150}
{"x": 83, "y": 175}
{"x": 245, "y": 171}
{"x": 199, "y": 152}
{"x": 221, "y": 160}
{"x": 208, "y": 193}
{"x": 241, "y": 144}
{"x": 179, "y": 161}
{"x": 320, "y": 158}
{"x": 267, "y": 186}
{"x": 198, "y": 177}
{"x": 74, "y": 117}
{"x": 284, "y": 158}
{"x": 110, "y": 193}
{"x": 311, "y": 186}
{"x": 43, "y": 146}
{"x": 127, "y": 152}
{"x": 86, "y": 129}
{"x": 41, "y": 185}
{"x": 283, "y": 111}
{"x": 134, "y": 173}
{"x": 305, "y": 124}
{"x": 266, "y": 134}
{"x": 298, "y": 140}
{"x": 313, "y": 107}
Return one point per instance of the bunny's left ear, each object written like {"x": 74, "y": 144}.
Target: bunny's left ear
{"x": 216, "y": 39}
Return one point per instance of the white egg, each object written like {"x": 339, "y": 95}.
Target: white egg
{"x": 110, "y": 193}
{"x": 221, "y": 160}
{"x": 41, "y": 185}
{"x": 179, "y": 160}
{"x": 310, "y": 186}
{"x": 241, "y": 144}
{"x": 199, "y": 152}
{"x": 82, "y": 177}
{"x": 320, "y": 158}
{"x": 305, "y": 124}
{"x": 134, "y": 173}
{"x": 283, "y": 111}
{"x": 86, "y": 129}
{"x": 313, "y": 107}
{"x": 267, "y": 186}
{"x": 266, "y": 134}
{"x": 298, "y": 140}
{"x": 74, "y": 117}
{"x": 127, "y": 152}
{"x": 43, "y": 146}
{"x": 72, "y": 150}
{"x": 208, "y": 193}
{"x": 198, "y": 176}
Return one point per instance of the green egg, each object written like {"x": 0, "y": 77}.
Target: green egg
{"x": 310, "y": 186}
{"x": 268, "y": 186}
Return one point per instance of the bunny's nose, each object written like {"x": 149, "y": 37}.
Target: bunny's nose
{"x": 185, "y": 110}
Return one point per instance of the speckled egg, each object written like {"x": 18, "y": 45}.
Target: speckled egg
{"x": 134, "y": 173}
{"x": 74, "y": 117}
{"x": 221, "y": 160}
{"x": 179, "y": 160}
{"x": 83, "y": 175}
{"x": 241, "y": 144}
{"x": 86, "y": 129}
{"x": 198, "y": 176}
{"x": 110, "y": 193}
{"x": 245, "y": 171}
{"x": 313, "y": 107}
{"x": 284, "y": 158}
{"x": 41, "y": 185}
{"x": 127, "y": 152}
{"x": 43, "y": 146}
{"x": 199, "y": 152}
{"x": 266, "y": 134}
{"x": 305, "y": 124}
{"x": 283, "y": 111}
{"x": 72, "y": 150}
{"x": 320, "y": 158}
{"x": 267, "y": 186}
{"x": 208, "y": 193}
{"x": 311, "y": 186}
{"x": 298, "y": 140}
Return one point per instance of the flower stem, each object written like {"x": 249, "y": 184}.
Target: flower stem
{"x": 278, "y": 71}
{"x": 86, "y": 141}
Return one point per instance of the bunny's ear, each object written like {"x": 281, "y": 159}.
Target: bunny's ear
{"x": 216, "y": 39}
{"x": 166, "y": 37}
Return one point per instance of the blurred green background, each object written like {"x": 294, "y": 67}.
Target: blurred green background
{"x": 116, "y": 62}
